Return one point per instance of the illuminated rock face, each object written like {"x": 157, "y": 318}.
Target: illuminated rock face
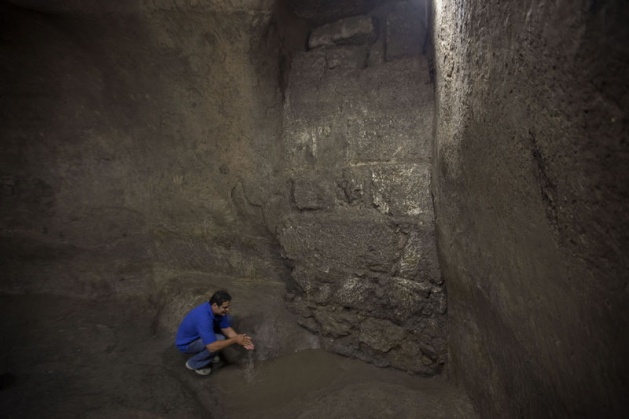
{"x": 530, "y": 182}
{"x": 358, "y": 144}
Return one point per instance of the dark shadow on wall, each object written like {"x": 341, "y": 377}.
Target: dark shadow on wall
{"x": 65, "y": 102}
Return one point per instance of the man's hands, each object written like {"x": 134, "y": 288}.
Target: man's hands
{"x": 232, "y": 337}
{"x": 244, "y": 341}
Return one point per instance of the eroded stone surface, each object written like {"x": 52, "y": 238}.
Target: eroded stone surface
{"x": 335, "y": 118}
{"x": 313, "y": 193}
{"x": 323, "y": 11}
{"x": 531, "y": 186}
{"x": 407, "y": 29}
{"x": 95, "y": 7}
{"x": 357, "y": 137}
{"x": 125, "y": 173}
{"x": 155, "y": 157}
{"x": 356, "y": 30}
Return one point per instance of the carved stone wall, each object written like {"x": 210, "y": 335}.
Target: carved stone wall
{"x": 357, "y": 142}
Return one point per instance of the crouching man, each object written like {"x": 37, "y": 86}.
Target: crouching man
{"x": 206, "y": 330}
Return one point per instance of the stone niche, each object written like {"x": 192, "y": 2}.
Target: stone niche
{"x": 359, "y": 232}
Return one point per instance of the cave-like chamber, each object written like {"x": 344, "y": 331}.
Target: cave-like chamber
{"x": 419, "y": 207}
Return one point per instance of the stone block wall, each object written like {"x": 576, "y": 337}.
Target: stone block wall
{"x": 359, "y": 231}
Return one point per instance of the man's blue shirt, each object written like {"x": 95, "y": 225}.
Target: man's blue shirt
{"x": 201, "y": 323}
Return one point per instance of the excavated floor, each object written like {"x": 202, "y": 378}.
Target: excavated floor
{"x": 69, "y": 358}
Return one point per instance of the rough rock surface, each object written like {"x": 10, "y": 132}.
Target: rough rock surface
{"x": 137, "y": 144}
{"x": 152, "y": 157}
{"x": 531, "y": 187}
{"x": 356, "y": 30}
{"x": 324, "y": 11}
{"x": 96, "y": 7}
{"x": 407, "y": 29}
{"x": 360, "y": 233}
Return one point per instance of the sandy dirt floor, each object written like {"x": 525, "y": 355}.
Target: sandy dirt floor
{"x": 76, "y": 358}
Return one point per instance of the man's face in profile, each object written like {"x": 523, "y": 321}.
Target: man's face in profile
{"x": 221, "y": 310}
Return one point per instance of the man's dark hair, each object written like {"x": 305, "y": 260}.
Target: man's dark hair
{"x": 219, "y": 297}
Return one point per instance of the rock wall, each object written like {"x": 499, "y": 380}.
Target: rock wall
{"x": 326, "y": 11}
{"x": 530, "y": 185}
{"x": 359, "y": 225}
{"x": 138, "y": 143}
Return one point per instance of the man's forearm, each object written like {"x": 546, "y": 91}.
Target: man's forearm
{"x": 220, "y": 344}
{"x": 229, "y": 332}
{"x": 232, "y": 338}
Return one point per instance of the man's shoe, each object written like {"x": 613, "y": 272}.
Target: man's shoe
{"x": 200, "y": 371}
{"x": 215, "y": 360}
